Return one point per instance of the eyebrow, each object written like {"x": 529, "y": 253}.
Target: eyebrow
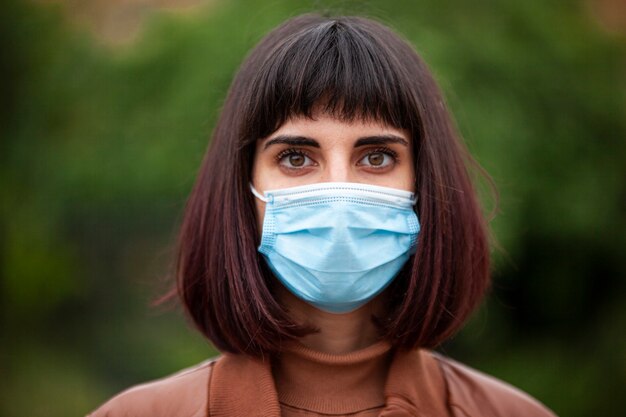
{"x": 380, "y": 140}
{"x": 306, "y": 141}
{"x": 292, "y": 140}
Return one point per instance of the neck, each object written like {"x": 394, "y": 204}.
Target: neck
{"x": 338, "y": 333}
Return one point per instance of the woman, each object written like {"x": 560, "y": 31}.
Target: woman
{"x": 332, "y": 237}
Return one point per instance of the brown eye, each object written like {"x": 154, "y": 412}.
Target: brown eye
{"x": 379, "y": 159}
{"x": 376, "y": 158}
{"x": 296, "y": 160}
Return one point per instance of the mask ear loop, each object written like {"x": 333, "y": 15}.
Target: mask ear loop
{"x": 257, "y": 194}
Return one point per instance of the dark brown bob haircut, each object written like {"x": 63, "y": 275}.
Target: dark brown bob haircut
{"x": 351, "y": 68}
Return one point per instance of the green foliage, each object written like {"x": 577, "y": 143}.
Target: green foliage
{"x": 100, "y": 147}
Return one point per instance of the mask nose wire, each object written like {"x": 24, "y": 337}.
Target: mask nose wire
{"x": 258, "y": 194}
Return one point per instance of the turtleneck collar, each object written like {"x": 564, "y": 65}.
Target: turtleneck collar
{"x": 332, "y": 383}
{"x": 241, "y": 386}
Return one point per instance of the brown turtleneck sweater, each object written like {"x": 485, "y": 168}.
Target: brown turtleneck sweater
{"x": 375, "y": 381}
{"x": 314, "y": 383}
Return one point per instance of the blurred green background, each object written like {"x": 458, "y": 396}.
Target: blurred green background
{"x": 106, "y": 111}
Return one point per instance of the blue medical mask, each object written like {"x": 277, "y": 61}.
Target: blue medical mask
{"x": 337, "y": 245}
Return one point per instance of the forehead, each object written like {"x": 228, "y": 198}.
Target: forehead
{"x": 326, "y": 127}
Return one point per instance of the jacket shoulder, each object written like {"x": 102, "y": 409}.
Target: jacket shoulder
{"x": 472, "y": 393}
{"x": 182, "y": 394}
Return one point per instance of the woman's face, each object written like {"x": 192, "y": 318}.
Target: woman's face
{"x": 324, "y": 149}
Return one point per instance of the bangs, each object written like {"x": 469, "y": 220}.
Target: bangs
{"x": 332, "y": 67}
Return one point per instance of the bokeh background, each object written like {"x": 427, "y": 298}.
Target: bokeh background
{"x": 107, "y": 106}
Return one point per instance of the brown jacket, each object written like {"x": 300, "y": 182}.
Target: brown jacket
{"x": 419, "y": 383}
